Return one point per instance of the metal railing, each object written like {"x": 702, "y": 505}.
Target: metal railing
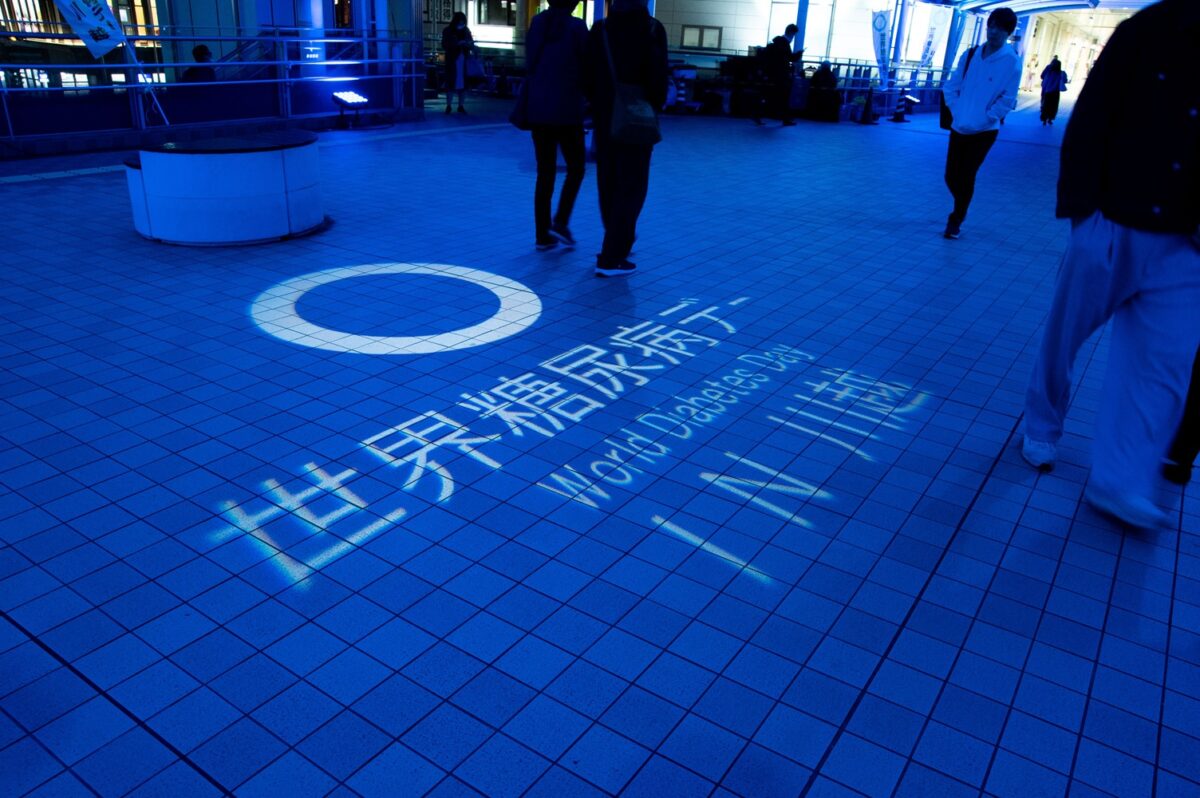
{"x": 49, "y": 83}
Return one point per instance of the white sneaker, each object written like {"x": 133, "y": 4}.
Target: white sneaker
{"x": 1039, "y": 454}
{"x": 1126, "y": 507}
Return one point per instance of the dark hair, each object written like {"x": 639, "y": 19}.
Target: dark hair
{"x": 201, "y": 50}
{"x": 566, "y": 5}
{"x": 1004, "y": 18}
{"x": 790, "y": 29}
{"x": 458, "y": 17}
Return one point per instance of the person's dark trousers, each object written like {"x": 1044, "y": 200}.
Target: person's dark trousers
{"x": 1187, "y": 439}
{"x": 781, "y": 100}
{"x": 547, "y": 140}
{"x": 622, "y": 177}
{"x": 965, "y": 156}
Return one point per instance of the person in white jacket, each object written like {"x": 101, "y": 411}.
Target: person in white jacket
{"x": 979, "y": 94}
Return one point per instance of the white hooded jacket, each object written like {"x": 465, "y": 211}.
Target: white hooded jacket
{"x": 987, "y": 91}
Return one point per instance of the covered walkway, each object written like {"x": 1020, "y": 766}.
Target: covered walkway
{"x": 752, "y": 522}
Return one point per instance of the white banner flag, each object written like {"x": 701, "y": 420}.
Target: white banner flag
{"x": 938, "y": 17}
{"x": 881, "y": 35}
{"x": 92, "y": 21}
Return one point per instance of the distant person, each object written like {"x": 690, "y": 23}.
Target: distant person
{"x": 979, "y": 93}
{"x": 638, "y": 46}
{"x": 1054, "y": 82}
{"x": 555, "y": 49}
{"x": 1130, "y": 184}
{"x": 824, "y": 101}
{"x": 457, "y": 45}
{"x": 201, "y": 73}
{"x": 778, "y": 61}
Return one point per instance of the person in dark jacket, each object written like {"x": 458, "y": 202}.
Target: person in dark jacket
{"x": 638, "y": 44}
{"x": 778, "y": 64}
{"x": 457, "y": 45}
{"x": 1129, "y": 181}
{"x": 554, "y": 51}
{"x": 1054, "y": 80}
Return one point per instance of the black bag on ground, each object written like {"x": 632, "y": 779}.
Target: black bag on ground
{"x": 947, "y": 119}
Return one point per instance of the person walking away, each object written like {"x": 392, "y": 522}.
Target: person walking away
{"x": 457, "y": 45}
{"x": 636, "y": 43}
{"x": 979, "y": 94}
{"x": 555, "y": 48}
{"x": 1129, "y": 181}
{"x": 1054, "y": 82}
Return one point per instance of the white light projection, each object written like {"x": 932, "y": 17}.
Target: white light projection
{"x": 274, "y": 311}
{"x": 711, "y": 548}
{"x": 282, "y": 523}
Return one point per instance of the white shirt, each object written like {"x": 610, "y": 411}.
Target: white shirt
{"x": 987, "y": 92}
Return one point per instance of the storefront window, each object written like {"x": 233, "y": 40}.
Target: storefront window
{"x": 497, "y": 12}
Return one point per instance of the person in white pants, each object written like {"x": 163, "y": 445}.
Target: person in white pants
{"x": 1130, "y": 183}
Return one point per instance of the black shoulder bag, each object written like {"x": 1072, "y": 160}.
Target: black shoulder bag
{"x": 947, "y": 120}
{"x": 634, "y": 120}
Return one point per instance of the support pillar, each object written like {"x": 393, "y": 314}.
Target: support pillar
{"x": 801, "y": 25}
{"x": 958, "y": 23}
{"x": 901, "y": 24}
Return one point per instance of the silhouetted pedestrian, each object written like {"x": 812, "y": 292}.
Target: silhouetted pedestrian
{"x": 1054, "y": 83}
{"x": 1130, "y": 184}
{"x": 626, "y": 51}
{"x": 555, "y": 50}
{"x": 457, "y": 45}
{"x": 979, "y": 94}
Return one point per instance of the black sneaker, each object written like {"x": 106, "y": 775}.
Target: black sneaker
{"x": 953, "y": 230}
{"x": 563, "y": 234}
{"x": 448, "y": 109}
{"x": 1178, "y": 473}
{"x": 621, "y": 269}
{"x": 462, "y": 110}
{"x": 543, "y": 244}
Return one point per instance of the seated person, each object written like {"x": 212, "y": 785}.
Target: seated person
{"x": 201, "y": 73}
{"x": 824, "y": 99}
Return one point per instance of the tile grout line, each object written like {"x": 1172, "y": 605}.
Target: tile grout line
{"x": 1162, "y": 706}
{"x": 179, "y": 755}
{"x": 816, "y": 771}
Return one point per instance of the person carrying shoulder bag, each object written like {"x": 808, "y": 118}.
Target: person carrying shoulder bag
{"x": 625, "y": 78}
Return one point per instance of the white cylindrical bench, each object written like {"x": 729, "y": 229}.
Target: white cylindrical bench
{"x": 227, "y": 190}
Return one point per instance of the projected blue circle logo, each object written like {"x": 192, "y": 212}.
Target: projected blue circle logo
{"x": 274, "y": 311}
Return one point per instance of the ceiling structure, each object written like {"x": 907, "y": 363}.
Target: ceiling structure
{"x": 1042, "y": 6}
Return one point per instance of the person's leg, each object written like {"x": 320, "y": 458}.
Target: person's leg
{"x": 462, "y": 93}
{"x": 973, "y": 150}
{"x": 605, "y": 189}
{"x": 1154, "y": 341}
{"x": 632, "y": 180}
{"x": 955, "y": 155}
{"x": 784, "y": 100}
{"x": 570, "y": 140}
{"x": 1186, "y": 445}
{"x": 1086, "y": 293}
{"x": 545, "y": 150}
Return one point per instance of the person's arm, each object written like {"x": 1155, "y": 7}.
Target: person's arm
{"x": 533, "y": 45}
{"x": 1007, "y": 100}
{"x": 593, "y": 52}
{"x": 1085, "y": 144}
{"x": 659, "y": 72}
{"x": 952, "y": 88}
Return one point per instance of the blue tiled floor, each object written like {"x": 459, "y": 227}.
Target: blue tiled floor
{"x": 750, "y": 523}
